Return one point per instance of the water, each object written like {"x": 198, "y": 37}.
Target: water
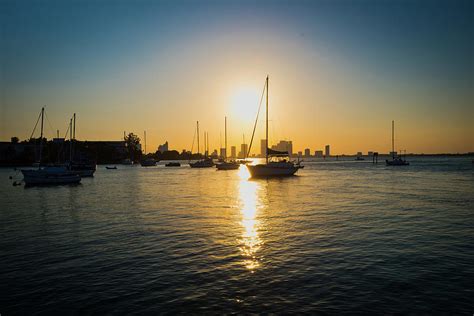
{"x": 340, "y": 237}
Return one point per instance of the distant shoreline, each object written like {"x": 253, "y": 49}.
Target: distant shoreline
{"x": 381, "y": 158}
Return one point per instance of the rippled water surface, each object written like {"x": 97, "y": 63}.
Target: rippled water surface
{"x": 339, "y": 237}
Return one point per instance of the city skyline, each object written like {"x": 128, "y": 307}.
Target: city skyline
{"x": 339, "y": 73}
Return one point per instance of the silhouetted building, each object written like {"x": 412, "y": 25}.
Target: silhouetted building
{"x": 233, "y": 151}
{"x": 263, "y": 147}
{"x": 300, "y": 154}
{"x": 318, "y": 154}
{"x": 328, "y": 151}
{"x": 307, "y": 153}
{"x": 284, "y": 145}
{"x": 223, "y": 153}
{"x": 243, "y": 150}
{"x": 370, "y": 153}
{"x": 163, "y": 148}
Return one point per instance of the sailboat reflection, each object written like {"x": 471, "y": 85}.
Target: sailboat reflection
{"x": 249, "y": 205}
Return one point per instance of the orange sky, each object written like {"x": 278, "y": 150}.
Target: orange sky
{"x": 325, "y": 86}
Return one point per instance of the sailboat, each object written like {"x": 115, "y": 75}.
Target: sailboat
{"x": 396, "y": 160}
{"x": 46, "y": 174}
{"x": 84, "y": 167}
{"x": 147, "y": 162}
{"x": 277, "y": 163}
{"x": 203, "y": 163}
{"x": 227, "y": 165}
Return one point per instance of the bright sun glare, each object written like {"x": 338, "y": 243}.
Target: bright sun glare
{"x": 244, "y": 103}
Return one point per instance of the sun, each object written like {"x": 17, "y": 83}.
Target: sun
{"x": 244, "y": 103}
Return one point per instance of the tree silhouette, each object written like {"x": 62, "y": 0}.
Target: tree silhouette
{"x": 132, "y": 142}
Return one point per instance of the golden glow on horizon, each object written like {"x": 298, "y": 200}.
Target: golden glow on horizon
{"x": 250, "y": 242}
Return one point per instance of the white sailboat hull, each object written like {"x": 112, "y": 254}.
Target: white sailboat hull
{"x": 272, "y": 170}
{"x": 52, "y": 175}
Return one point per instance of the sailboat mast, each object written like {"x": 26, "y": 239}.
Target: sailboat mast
{"x": 144, "y": 132}
{"x": 393, "y": 139}
{"x": 244, "y": 149}
{"x": 41, "y": 137}
{"x": 266, "y": 127}
{"x": 74, "y": 127}
{"x": 197, "y": 124}
{"x": 70, "y": 140}
{"x": 225, "y": 131}
{"x": 74, "y": 131}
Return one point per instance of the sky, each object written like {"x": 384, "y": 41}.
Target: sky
{"x": 339, "y": 71}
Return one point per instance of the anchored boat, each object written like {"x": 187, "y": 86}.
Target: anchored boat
{"x": 207, "y": 162}
{"x": 277, "y": 163}
{"x": 396, "y": 160}
{"x": 227, "y": 165}
{"x": 147, "y": 162}
{"x": 48, "y": 175}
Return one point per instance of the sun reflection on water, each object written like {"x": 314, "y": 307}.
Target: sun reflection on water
{"x": 249, "y": 205}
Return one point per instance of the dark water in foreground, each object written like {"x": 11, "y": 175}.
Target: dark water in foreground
{"x": 342, "y": 237}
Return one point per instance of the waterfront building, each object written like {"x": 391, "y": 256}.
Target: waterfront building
{"x": 284, "y": 145}
{"x": 163, "y": 148}
{"x": 243, "y": 150}
{"x": 223, "y": 153}
{"x": 328, "y": 151}
{"x": 263, "y": 147}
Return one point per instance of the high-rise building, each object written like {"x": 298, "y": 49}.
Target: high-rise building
{"x": 233, "y": 151}
{"x": 263, "y": 147}
{"x": 300, "y": 154}
{"x": 318, "y": 154}
{"x": 307, "y": 153}
{"x": 243, "y": 150}
{"x": 328, "y": 151}
{"x": 223, "y": 152}
{"x": 370, "y": 153}
{"x": 284, "y": 145}
{"x": 163, "y": 148}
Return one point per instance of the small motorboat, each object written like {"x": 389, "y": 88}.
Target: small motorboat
{"x": 111, "y": 168}
{"x": 173, "y": 164}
